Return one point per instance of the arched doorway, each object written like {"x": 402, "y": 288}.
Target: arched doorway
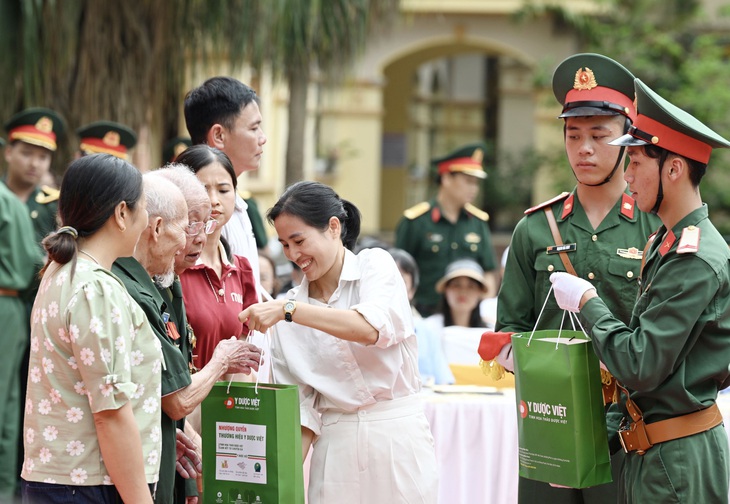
{"x": 443, "y": 93}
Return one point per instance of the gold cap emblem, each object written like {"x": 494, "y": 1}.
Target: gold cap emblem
{"x": 44, "y": 124}
{"x": 111, "y": 138}
{"x": 584, "y": 79}
{"x": 478, "y": 156}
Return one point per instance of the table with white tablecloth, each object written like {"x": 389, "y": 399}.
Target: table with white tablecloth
{"x": 476, "y": 446}
{"x": 475, "y": 435}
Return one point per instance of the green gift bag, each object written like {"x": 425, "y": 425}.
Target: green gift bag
{"x": 252, "y": 445}
{"x": 560, "y": 413}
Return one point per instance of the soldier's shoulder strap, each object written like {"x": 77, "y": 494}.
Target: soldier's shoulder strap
{"x": 47, "y": 195}
{"x": 559, "y": 197}
{"x": 417, "y": 210}
{"x": 477, "y": 212}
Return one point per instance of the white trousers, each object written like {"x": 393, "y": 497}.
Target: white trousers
{"x": 382, "y": 453}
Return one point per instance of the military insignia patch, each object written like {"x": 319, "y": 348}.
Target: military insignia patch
{"x": 44, "y": 124}
{"x": 584, "y": 80}
{"x": 630, "y": 253}
{"x": 435, "y": 237}
{"x": 689, "y": 242}
{"x": 472, "y": 238}
{"x": 111, "y": 138}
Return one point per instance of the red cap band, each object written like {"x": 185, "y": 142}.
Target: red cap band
{"x": 459, "y": 164}
{"x": 32, "y": 135}
{"x": 673, "y": 140}
{"x": 98, "y": 145}
{"x": 601, "y": 93}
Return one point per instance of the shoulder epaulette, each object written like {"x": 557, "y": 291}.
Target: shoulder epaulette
{"x": 689, "y": 242}
{"x": 477, "y": 212}
{"x": 417, "y": 210}
{"x": 245, "y": 194}
{"x": 47, "y": 195}
{"x": 549, "y": 202}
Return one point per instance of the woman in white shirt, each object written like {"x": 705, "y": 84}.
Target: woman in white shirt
{"x": 346, "y": 339}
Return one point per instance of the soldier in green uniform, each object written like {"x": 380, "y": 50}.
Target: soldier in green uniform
{"x": 673, "y": 355}
{"x": 32, "y": 135}
{"x": 595, "y": 231}
{"x": 106, "y": 137}
{"x": 449, "y": 227}
{"x": 19, "y": 257}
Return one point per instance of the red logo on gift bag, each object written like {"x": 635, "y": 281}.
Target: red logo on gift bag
{"x": 523, "y": 409}
{"x": 229, "y": 403}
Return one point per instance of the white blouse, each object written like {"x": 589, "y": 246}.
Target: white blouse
{"x": 334, "y": 374}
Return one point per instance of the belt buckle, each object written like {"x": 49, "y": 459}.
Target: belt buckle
{"x": 631, "y": 440}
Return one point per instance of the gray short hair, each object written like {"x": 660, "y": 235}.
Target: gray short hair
{"x": 161, "y": 197}
{"x": 191, "y": 187}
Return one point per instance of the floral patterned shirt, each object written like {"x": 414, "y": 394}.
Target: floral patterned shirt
{"x": 92, "y": 349}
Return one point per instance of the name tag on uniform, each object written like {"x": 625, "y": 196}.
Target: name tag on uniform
{"x": 556, "y": 249}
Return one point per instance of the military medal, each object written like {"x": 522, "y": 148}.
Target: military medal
{"x": 630, "y": 253}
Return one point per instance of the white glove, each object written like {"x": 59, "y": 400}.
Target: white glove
{"x": 569, "y": 290}
{"x": 505, "y": 357}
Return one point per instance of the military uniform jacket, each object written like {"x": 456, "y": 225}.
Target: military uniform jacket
{"x": 434, "y": 242}
{"x": 175, "y": 372}
{"x": 43, "y": 208}
{"x": 609, "y": 257}
{"x": 674, "y": 354}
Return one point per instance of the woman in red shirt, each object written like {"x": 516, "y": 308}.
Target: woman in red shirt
{"x": 215, "y": 289}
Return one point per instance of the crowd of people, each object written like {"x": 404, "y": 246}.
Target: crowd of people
{"x": 127, "y": 297}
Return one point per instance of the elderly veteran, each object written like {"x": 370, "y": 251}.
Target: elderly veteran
{"x": 151, "y": 266}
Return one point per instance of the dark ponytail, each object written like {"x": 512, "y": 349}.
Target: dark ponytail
{"x": 315, "y": 203}
{"x": 92, "y": 188}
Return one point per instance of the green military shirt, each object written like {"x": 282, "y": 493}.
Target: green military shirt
{"x": 673, "y": 356}
{"x": 257, "y": 223}
{"x": 19, "y": 261}
{"x": 175, "y": 372}
{"x": 173, "y": 296}
{"x": 434, "y": 242}
{"x": 43, "y": 207}
{"x": 609, "y": 257}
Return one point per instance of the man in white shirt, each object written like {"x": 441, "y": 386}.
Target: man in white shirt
{"x": 224, "y": 113}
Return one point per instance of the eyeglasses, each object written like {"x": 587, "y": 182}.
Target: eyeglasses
{"x": 194, "y": 228}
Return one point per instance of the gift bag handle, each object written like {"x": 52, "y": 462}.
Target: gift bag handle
{"x": 261, "y": 292}
{"x": 571, "y": 316}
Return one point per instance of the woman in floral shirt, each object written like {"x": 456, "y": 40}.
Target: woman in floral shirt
{"x": 92, "y": 422}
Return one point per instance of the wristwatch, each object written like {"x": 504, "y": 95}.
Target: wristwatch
{"x": 289, "y": 308}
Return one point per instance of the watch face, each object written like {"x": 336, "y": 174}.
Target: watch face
{"x": 289, "y": 306}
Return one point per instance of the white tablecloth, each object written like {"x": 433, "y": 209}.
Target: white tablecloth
{"x": 476, "y": 446}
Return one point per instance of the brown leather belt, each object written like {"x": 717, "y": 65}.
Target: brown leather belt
{"x": 640, "y": 436}
{"x": 8, "y": 292}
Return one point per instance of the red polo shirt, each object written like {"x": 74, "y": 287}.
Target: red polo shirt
{"x": 213, "y": 304}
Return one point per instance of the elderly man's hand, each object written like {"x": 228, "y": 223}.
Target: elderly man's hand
{"x": 238, "y": 355}
{"x": 188, "y": 463}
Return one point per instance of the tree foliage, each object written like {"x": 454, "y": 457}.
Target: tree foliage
{"x": 127, "y": 61}
{"x": 673, "y": 47}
